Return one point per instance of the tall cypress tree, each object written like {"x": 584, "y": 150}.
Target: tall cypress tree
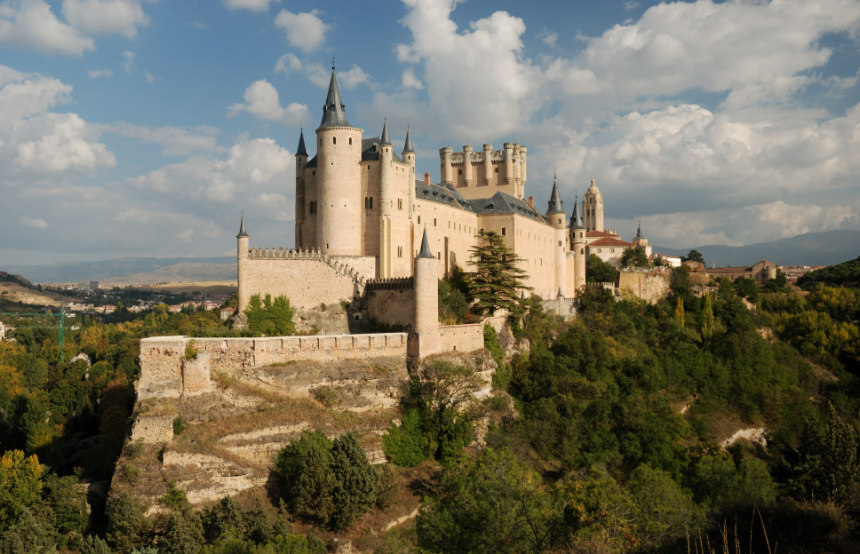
{"x": 497, "y": 281}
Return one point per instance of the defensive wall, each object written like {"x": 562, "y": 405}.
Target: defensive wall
{"x": 650, "y": 285}
{"x": 391, "y": 301}
{"x": 175, "y": 366}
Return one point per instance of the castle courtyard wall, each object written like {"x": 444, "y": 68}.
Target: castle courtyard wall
{"x": 391, "y": 302}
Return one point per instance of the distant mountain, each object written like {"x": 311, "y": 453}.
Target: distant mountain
{"x": 825, "y": 248}
{"x": 191, "y": 269}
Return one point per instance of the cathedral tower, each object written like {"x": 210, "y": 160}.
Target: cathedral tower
{"x": 592, "y": 208}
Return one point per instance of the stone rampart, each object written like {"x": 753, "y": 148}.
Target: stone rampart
{"x": 461, "y": 338}
{"x": 182, "y": 366}
{"x": 391, "y": 301}
{"x": 650, "y": 285}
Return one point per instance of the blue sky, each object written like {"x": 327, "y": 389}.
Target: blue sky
{"x": 143, "y": 128}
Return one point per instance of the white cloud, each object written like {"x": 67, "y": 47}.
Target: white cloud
{"x": 549, "y": 38}
{"x": 261, "y": 101}
{"x": 288, "y": 63}
{"x": 409, "y": 80}
{"x": 306, "y": 31}
{"x": 252, "y": 5}
{"x": 128, "y": 64}
{"x": 186, "y": 235}
{"x": 34, "y": 223}
{"x": 105, "y": 17}
{"x": 68, "y": 144}
{"x": 175, "y": 140}
{"x": 96, "y": 73}
{"x": 32, "y": 25}
{"x": 150, "y": 78}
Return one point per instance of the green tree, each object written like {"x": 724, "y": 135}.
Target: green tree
{"x": 222, "y": 519}
{"x": 127, "y": 528}
{"x": 664, "y": 510}
{"x": 357, "y": 480}
{"x": 694, "y": 256}
{"x": 270, "y": 317}
{"x": 634, "y": 257}
{"x": 183, "y": 533}
{"x": 497, "y": 282}
{"x": 20, "y": 485}
{"x": 306, "y": 465}
{"x": 598, "y": 271}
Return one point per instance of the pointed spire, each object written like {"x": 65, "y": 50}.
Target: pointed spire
{"x": 639, "y": 230}
{"x": 301, "y": 150}
{"x": 555, "y": 204}
{"x": 334, "y": 114}
{"x": 407, "y": 148}
{"x": 575, "y": 218}
{"x": 385, "y": 140}
{"x": 242, "y": 231}
{"x": 425, "y": 247}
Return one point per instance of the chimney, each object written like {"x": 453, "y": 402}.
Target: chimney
{"x": 427, "y": 177}
{"x": 532, "y": 202}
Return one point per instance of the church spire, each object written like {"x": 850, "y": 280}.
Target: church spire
{"x": 301, "y": 150}
{"x": 334, "y": 112}
{"x": 555, "y": 204}
{"x": 408, "y": 146}
{"x": 385, "y": 140}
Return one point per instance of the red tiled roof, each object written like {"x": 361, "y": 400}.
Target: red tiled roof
{"x": 609, "y": 241}
{"x": 600, "y": 234}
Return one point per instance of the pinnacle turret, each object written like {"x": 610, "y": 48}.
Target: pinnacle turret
{"x": 408, "y": 146}
{"x": 242, "y": 231}
{"x": 425, "y": 247}
{"x": 385, "y": 140}
{"x": 575, "y": 218}
{"x": 334, "y": 112}
{"x": 301, "y": 150}
{"x": 555, "y": 204}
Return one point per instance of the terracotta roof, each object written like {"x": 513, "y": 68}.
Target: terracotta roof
{"x": 609, "y": 241}
{"x": 591, "y": 234}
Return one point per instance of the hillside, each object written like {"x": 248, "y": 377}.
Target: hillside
{"x": 16, "y": 289}
{"x": 846, "y": 274}
{"x": 826, "y": 248}
{"x": 189, "y": 269}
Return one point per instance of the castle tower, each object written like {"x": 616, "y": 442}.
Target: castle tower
{"x": 409, "y": 157}
{"x": 592, "y": 209}
{"x": 426, "y": 287}
{"x": 558, "y": 219}
{"x": 445, "y": 170}
{"x": 386, "y": 201}
{"x": 468, "y": 170}
{"x": 242, "y": 242}
{"x": 338, "y": 179}
{"x": 577, "y": 245}
{"x": 301, "y": 165}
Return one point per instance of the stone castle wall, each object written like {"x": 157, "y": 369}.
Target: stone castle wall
{"x": 650, "y": 285}
{"x": 461, "y": 338}
{"x": 175, "y": 366}
{"x": 391, "y": 301}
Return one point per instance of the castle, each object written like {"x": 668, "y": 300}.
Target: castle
{"x": 361, "y": 215}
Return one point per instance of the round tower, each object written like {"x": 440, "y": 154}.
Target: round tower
{"x": 386, "y": 201}
{"x": 338, "y": 179}
{"x": 488, "y": 164}
{"x": 468, "y": 170}
{"x": 242, "y": 244}
{"x": 409, "y": 157}
{"x": 577, "y": 245}
{"x": 301, "y": 165}
{"x": 558, "y": 219}
{"x": 445, "y": 162}
{"x": 592, "y": 207}
{"x": 426, "y": 290}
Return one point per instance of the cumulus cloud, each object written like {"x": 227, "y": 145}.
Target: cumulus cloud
{"x": 32, "y": 25}
{"x": 287, "y": 64}
{"x": 251, "y": 5}
{"x": 34, "y": 222}
{"x": 409, "y": 80}
{"x": 105, "y": 17}
{"x": 97, "y": 73}
{"x": 262, "y": 101}
{"x": 306, "y": 31}
{"x": 36, "y": 142}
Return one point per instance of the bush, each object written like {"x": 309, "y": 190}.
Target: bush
{"x": 404, "y": 444}
{"x": 270, "y": 317}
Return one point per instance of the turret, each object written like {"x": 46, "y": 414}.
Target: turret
{"x": 488, "y": 164}
{"x": 386, "y": 202}
{"x": 468, "y": 170}
{"x": 242, "y": 244}
{"x": 445, "y": 162}
{"x": 577, "y": 246}
{"x": 301, "y": 164}
{"x": 338, "y": 202}
{"x": 409, "y": 157}
{"x": 557, "y": 218}
{"x": 509, "y": 162}
{"x": 426, "y": 287}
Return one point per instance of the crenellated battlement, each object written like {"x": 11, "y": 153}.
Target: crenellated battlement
{"x": 394, "y": 283}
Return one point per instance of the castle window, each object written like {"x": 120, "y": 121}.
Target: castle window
{"x": 334, "y": 140}
{"x": 399, "y": 251}
{"x": 434, "y": 222}
{"x": 350, "y": 141}
{"x": 559, "y": 221}
{"x": 399, "y": 203}
{"x": 612, "y": 250}
{"x": 368, "y": 167}
{"x": 320, "y": 142}
{"x": 559, "y": 243}
{"x": 419, "y": 220}
{"x": 460, "y": 172}
{"x": 503, "y": 231}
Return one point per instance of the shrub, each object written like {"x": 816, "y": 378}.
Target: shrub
{"x": 404, "y": 444}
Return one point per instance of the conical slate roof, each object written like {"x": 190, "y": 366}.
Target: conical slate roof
{"x": 301, "y": 150}
{"x": 334, "y": 112}
{"x": 242, "y": 231}
{"x": 425, "y": 248}
{"x": 408, "y": 146}
{"x": 385, "y": 140}
{"x": 555, "y": 204}
{"x": 576, "y": 219}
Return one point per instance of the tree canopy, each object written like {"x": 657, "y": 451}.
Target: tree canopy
{"x": 497, "y": 282}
